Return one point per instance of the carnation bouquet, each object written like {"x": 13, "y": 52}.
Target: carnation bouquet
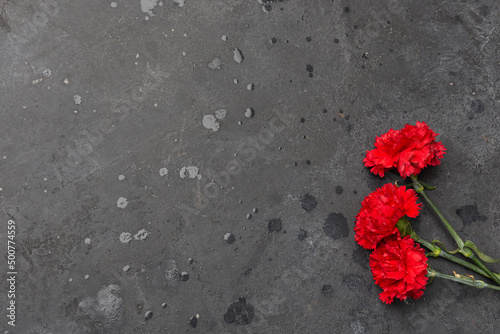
{"x": 399, "y": 263}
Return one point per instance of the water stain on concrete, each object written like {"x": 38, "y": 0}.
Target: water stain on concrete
{"x": 335, "y": 226}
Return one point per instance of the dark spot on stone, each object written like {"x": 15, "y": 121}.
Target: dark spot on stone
{"x": 339, "y": 190}
{"x": 268, "y": 7}
{"x": 470, "y": 115}
{"x": 484, "y": 10}
{"x": 347, "y": 10}
{"x": 355, "y": 27}
{"x": 308, "y": 162}
{"x": 193, "y": 321}
{"x": 148, "y": 315}
{"x": 477, "y": 106}
{"x": 302, "y": 120}
{"x": 374, "y": 182}
{"x": 309, "y": 68}
{"x": 295, "y": 164}
{"x": 184, "y": 276}
{"x": 335, "y": 226}
{"x": 247, "y": 271}
{"x": 302, "y": 235}
{"x": 273, "y": 40}
{"x": 452, "y": 73}
{"x": 327, "y": 290}
{"x": 308, "y": 38}
{"x": 336, "y": 40}
{"x": 72, "y": 307}
{"x": 308, "y": 202}
{"x": 275, "y": 225}
{"x": 239, "y": 312}
{"x": 361, "y": 256}
{"x": 311, "y": 75}
{"x": 468, "y": 214}
{"x": 325, "y": 111}
{"x": 139, "y": 307}
{"x": 354, "y": 282}
{"x": 355, "y": 192}
{"x": 230, "y": 238}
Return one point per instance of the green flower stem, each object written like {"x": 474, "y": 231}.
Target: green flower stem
{"x": 436, "y": 251}
{"x": 420, "y": 190}
{"x": 462, "y": 279}
{"x": 467, "y": 252}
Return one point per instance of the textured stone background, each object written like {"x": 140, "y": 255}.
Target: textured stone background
{"x": 101, "y": 120}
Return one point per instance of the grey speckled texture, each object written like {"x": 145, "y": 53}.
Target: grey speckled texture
{"x": 327, "y": 77}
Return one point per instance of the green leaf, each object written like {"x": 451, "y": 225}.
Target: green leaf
{"x": 481, "y": 255}
{"x": 437, "y": 242}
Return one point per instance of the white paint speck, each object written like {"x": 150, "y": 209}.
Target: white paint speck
{"x": 77, "y": 98}
{"x": 249, "y": 113}
{"x": 121, "y": 177}
{"x": 66, "y": 81}
{"x": 34, "y": 82}
{"x": 221, "y": 113}
{"x": 122, "y": 203}
{"x": 126, "y": 268}
{"x": 125, "y": 237}
{"x": 87, "y": 276}
{"x": 70, "y": 280}
{"x": 114, "y": 4}
{"x": 224, "y": 38}
{"x": 238, "y": 57}
{"x": 250, "y": 86}
{"x": 190, "y": 172}
{"x": 147, "y": 6}
{"x": 163, "y": 171}
{"x": 87, "y": 241}
{"x": 235, "y": 81}
{"x": 47, "y": 73}
{"x": 180, "y": 3}
{"x": 210, "y": 122}
{"x": 141, "y": 235}
{"x": 215, "y": 64}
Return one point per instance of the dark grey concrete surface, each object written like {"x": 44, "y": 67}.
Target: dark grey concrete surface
{"x": 127, "y": 157}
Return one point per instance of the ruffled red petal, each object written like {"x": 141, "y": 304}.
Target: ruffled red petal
{"x": 409, "y": 150}
{"x": 399, "y": 267}
{"x": 380, "y": 212}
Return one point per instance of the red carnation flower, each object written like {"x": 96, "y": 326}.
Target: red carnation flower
{"x": 409, "y": 150}
{"x": 399, "y": 267}
{"x": 380, "y": 212}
